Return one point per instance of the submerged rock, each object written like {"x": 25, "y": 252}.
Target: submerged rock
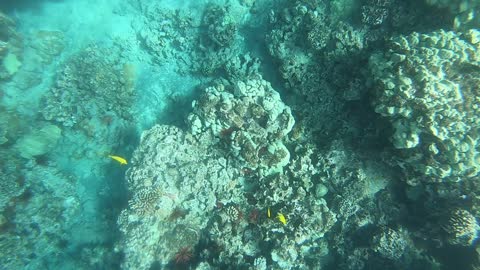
{"x": 38, "y": 142}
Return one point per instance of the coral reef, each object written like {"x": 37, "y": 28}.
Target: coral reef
{"x": 207, "y": 44}
{"x": 222, "y": 28}
{"x": 390, "y": 244}
{"x": 461, "y": 228}
{"x": 250, "y": 119}
{"x": 170, "y": 170}
{"x": 10, "y": 47}
{"x": 42, "y": 207}
{"x": 464, "y": 12}
{"x": 320, "y": 75}
{"x": 426, "y": 85}
{"x": 166, "y": 176}
{"x": 10, "y": 125}
{"x": 48, "y": 45}
{"x": 374, "y": 12}
{"x": 296, "y": 172}
{"x": 168, "y": 34}
{"x": 89, "y": 86}
{"x": 12, "y": 183}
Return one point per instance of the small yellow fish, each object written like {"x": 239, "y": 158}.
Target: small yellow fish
{"x": 268, "y": 212}
{"x": 120, "y": 160}
{"x": 282, "y": 218}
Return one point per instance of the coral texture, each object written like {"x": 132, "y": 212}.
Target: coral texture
{"x": 250, "y": 118}
{"x": 170, "y": 170}
{"x": 10, "y": 47}
{"x": 89, "y": 86}
{"x": 465, "y": 13}
{"x": 427, "y": 86}
{"x": 461, "y": 228}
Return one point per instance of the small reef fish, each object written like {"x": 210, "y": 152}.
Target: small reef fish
{"x": 120, "y": 160}
{"x": 282, "y": 218}
{"x": 268, "y": 213}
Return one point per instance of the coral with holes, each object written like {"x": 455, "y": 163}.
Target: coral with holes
{"x": 427, "y": 86}
{"x": 250, "y": 118}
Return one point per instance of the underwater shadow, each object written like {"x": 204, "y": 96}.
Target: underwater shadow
{"x": 19, "y": 5}
{"x": 177, "y": 107}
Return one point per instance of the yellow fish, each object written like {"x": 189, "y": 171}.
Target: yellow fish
{"x": 268, "y": 212}
{"x": 282, "y": 218}
{"x": 120, "y": 160}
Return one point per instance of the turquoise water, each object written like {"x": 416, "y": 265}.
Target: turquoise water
{"x": 241, "y": 134}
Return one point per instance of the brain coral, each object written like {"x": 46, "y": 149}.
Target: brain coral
{"x": 461, "y": 228}
{"x": 427, "y": 85}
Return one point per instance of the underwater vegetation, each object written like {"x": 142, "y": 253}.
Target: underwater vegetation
{"x": 241, "y": 134}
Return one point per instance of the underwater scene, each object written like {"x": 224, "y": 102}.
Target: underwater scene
{"x": 239, "y": 134}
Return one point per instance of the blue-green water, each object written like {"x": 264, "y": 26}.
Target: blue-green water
{"x": 241, "y": 134}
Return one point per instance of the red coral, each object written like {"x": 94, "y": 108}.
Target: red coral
{"x": 227, "y": 132}
{"x": 177, "y": 213}
{"x": 254, "y": 216}
{"x": 184, "y": 255}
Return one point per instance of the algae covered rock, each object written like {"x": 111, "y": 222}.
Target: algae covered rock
{"x": 427, "y": 85}
{"x": 38, "y": 142}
